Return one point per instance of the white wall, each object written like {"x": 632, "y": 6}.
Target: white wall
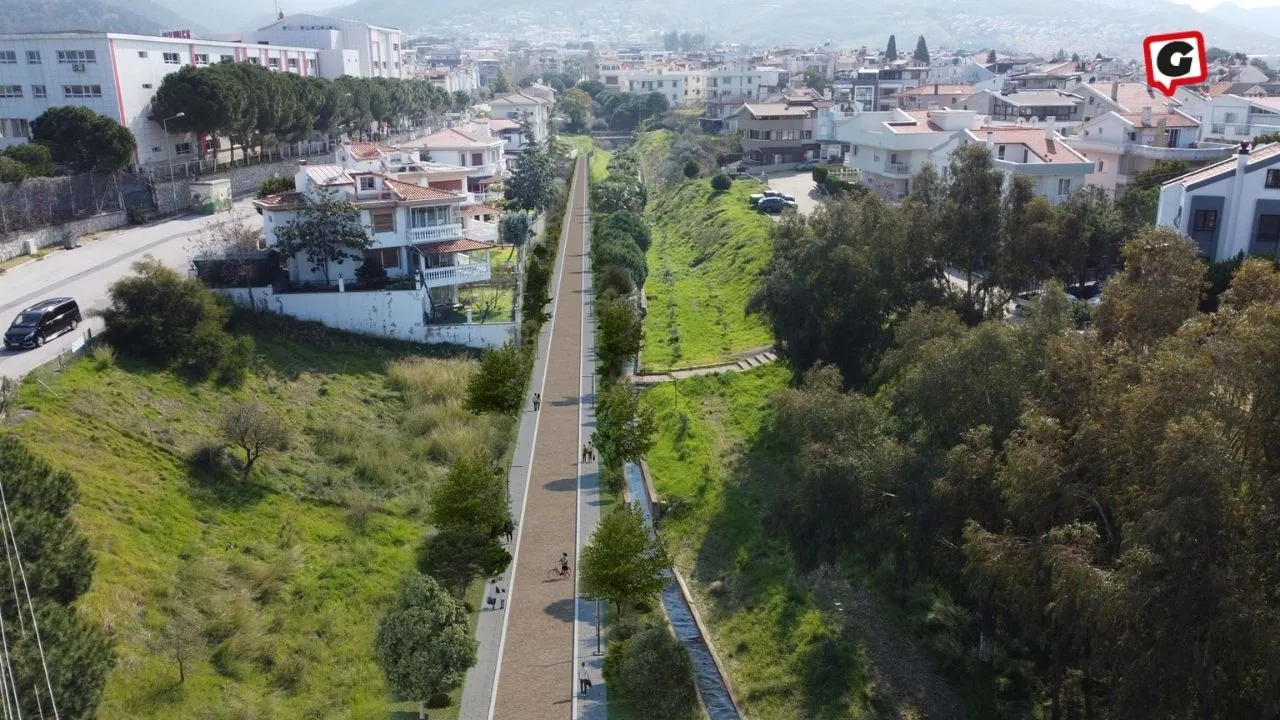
{"x": 396, "y": 314}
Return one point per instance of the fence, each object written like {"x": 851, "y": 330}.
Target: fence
{"x": 40, "y": 202}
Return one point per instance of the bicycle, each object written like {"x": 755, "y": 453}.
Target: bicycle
{"x": 556, "y": 573}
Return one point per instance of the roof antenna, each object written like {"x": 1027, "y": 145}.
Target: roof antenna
{"x": 279, "y": 12}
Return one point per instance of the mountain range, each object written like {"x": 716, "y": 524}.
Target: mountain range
{"x": 1087, "y": 26}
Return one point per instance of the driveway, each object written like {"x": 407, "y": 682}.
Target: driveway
{"x": 798, "y": 185}
{"x": 85, "y": 274}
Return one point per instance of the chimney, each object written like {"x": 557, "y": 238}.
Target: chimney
{"x": 1115, "y": 90}
{"x": 1228, "y": 247}
{"x": 935, "y": 88}
{"x": 1146, "y": 116}
{"x": 991, "y": 141}
{"x": 1170, "y": 108}
{"x": 1050, "y": 125}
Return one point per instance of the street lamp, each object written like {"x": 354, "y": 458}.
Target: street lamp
{"x": 168, "y": 153}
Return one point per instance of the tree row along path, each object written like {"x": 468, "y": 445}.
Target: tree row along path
{"x": 536, "y": 678}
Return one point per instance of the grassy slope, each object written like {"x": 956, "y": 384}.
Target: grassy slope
{"x": 713, "y": 463}
{"x": 599, "y": 161}
{"x": 708, "y": 251}
{"x": 275, "y": 565}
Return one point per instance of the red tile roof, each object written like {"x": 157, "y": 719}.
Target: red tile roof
{"x": 1174, "y": 120}
{"x": 284, "y": 199}
{"x": 368, "y": 151}
{"x": 407, "y": 191}
{"x": 452, "y": 246}
{"x": 476, "y": 210}
{"x": 451, "y": 138}
{"x": 919, "y": 123}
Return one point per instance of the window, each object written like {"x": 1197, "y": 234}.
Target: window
{"x": 1064, "y": 186}
{"x": 1268, "y": 234}
{"x": 421, "y": 217}
{"x": 254, "y": 61}
{"x": 387, "y": 257}
{"x": 14, "y": 127}
{"x": 8, "y": 57}
{"x": 383, "y": 220}
{"x": 477, "y": 158}
{"x": 1273, "y": 179}
{"x": 82, "y": 91}
{"x": 311, "y": 66}
{"x": 182, "y": 148}
{"x": 293, "y": 63}
{"x": 33, "y": 57}
{"x": 226, "y": 58}
{"x": 39, "y": 91}
{"x": 146, "y": 86}
{"x": 10, "y": 91}
{"x": 1000, "y": 152}
{"x": 273, "y": 62}
{"x": 202, "y": 59}
{"x": 366, "y": 182}
{"x": 172, "y": 59}
{"x": 77, "y": 56}
{"x": 143, "y": 54}
{"x": 1204, "y": 220}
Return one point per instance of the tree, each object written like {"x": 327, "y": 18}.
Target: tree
{"x": 1263, "y": 139}
{"x": 275, "y": 185}
{"x": 531, "y": 185}
{"x": 816, "y": 79}
{"x": 501, "y": 85}
{"x": 83, "y": 140}
{"x": 35, "y": 158}
{"x": 691, "y": 168}
{"x": 327, "y": 230}
{"x": 575, "y": 105}
{"x": 592, "y": 87}
{"x": 922, "y": 51}
{"x": 424, "y": 643}
{"x": 891, "y": 50}
{"x": 627, "y": 223}
{"x": 991, "y": 56}
{"x": 653, "y": 658}
{"x": 209, "y": 102}
{"x": 1158, "y": 290}
{"x": 721, "y": 182}
{"x": 472, "y": 496}
{"x": 181, "y": 639}
{"x": 624, "y": 428}
{"x": 12, "y": 171}
{"x": 973, "y": 233}
{"x": 458, "y": 555}
{"x": 620, "y": 333}
{"x": 254, "y": 429}
{"x": 499, "y": 384}
{"x": 624, "y": 563}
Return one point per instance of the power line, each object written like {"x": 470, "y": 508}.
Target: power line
{"x": 4, "y": 505}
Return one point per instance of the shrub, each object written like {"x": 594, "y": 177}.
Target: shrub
{"x": 628, "y": 223}
{"x": 371, "y": 273}
{"x": 691, "y": 168}
{"x": 614, "y": 248}
{"x": 653, "y": 659}
{"x": 721, "y": 182}
{"x": 499, "y": 386}
{"x": 614, "y": 280}
{"x": 254, "y": 429}
{"x": 820, "y": 175}
{"x": 103, "y": 355}
{"x": 438, "y": 701}
{"x": 135, "y": 216}
{"x": 275, "y": 185}
{"x": 621, "y": 333}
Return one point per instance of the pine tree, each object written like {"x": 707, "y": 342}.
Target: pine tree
{"x": 922, "y": 51}
{"x": 891, "y": 51}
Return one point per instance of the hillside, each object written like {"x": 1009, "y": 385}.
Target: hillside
{"x": 708, "y": 251}
{"x": 270, "y": 587}
{"x": 125, "y": 16}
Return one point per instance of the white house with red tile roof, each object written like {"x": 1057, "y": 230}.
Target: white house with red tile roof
{"x": 1038, "y": 153}
{"x": 889, "y": 148}
{"x": 531, "y": 107}
{"x": 1123, "y": 144}
{"x": 476, "y": 149}
{"x": 1230, "y": 207}
{"x": 418, "y": 232}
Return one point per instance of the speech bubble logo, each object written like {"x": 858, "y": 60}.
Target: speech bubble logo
{"x": 1174, "y": 60}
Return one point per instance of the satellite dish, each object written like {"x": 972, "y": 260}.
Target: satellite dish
{"x": 1034, "y": 120}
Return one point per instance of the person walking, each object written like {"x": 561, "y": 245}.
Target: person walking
{"x": 584, "y": 453}
{"x": 509, "y": 529}
{"x": 591, "y": 452}
{"x": 537, "y": 401}
{"x": 491, "y": 597}
{"x": 584, "y": 679}
{"x": 502, "y": 598}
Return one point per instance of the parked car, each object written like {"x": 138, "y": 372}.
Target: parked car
{"x": 779, "y": 194}
{"x": 774, "y": 204}
{"x": 756, "y": 198}
{"x": 808, "y": 164}
{"x": 41, "y": 322}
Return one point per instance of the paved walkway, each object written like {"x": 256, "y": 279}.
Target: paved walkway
{"x": 536, "y": 677}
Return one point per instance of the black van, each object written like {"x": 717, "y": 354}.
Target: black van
{"x": 42, "y": 321}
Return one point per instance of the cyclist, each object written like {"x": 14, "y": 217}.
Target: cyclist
{"x": 564, "y": 563}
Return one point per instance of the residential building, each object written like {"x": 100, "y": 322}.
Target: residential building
{"x": 1228, "y": 208}
{"x": 1121, "y": 145}
{"x": 1053, "y": 76}
{"x": 454, "y": 79}
{"x": 934, "y": 97}
{"x": 776, "y": 133}
{"x": 416, "y": 232}
{"x": 376, "y": 49}
{"x": 1030, "y": 106}
{"x": 478, "y": 151}
{"x": 117, "y": 75}
{"x": 1125, "y": 97}
{"x": 889, "y": 148}
{"x": 673, "y": 85}
{"x": 526, "y": 107}
{"x": 488, "y": 69}
{"x": 1232, "y": 118}
{"x": 1038, "y": 154}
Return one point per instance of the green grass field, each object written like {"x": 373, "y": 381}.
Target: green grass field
{"x": 708, "y": 251}
{"x": 600, "y": 158}
{"x": 287, "y": 573}
{"x": 715, "y": 464}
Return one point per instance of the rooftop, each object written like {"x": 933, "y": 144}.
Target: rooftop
{"x": 369, "y": 151}
{"x": 940, "y": 89}
{"x": 919, "y": 123}
{"x": 1049, "y": 150}
{"x": 409, "y": 191}
{"x": 1039, "y": 98}
{"x": 1134, "y": 96}
{"x": 328, "y": 175}
{"x": 460, "y": 245}
{"x": 1173, "y": 120}
{"x": 777, "y": 110}
{"x": 451, "y": 138}
{"x": 1226, "y": 167}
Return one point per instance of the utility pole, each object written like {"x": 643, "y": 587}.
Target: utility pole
{"x": 168, "y": 153}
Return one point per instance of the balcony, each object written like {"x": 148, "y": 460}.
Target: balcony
{"x": 486, "y": 170}
{"x": 435, "y": 233}
{"x": 896, "y": 168}
{"x": 472, "y": 272}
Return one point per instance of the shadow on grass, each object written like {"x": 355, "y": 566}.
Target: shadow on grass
{"x": 223, "y": 486}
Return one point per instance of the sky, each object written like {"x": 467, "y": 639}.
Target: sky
{"x": 1208, "y": 4}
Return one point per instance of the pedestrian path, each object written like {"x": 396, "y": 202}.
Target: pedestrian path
{"x": 536, "y": 677}
{"x": 747, "y": 363}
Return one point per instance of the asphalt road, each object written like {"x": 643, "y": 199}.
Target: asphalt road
{"x": 85, "y": 274}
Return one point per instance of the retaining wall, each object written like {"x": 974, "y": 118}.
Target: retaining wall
{"x": 25, "y": 243}
{"x": 244, "y": 181}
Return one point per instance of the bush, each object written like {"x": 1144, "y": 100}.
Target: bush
{"x": 275, "y": 185}
{"x": 621, "y": 333}
{"x": 613, "y": 280}
{"x": 617, "y": 249}
{"x": 820, "y": 175}
{"x": 103, "y": 355}
{"x": 628, "y": 223}
{"x": 721, "y": 182}
{"x": 499, "y": 386}
{"x": 172, "y": 320}
{"x": 691, "y": 168}
{"x": 371, "y": 273}
{"x": 135, "y": 216}
{"x": 438, "y": 701}
{"x": 652, "y": 659}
